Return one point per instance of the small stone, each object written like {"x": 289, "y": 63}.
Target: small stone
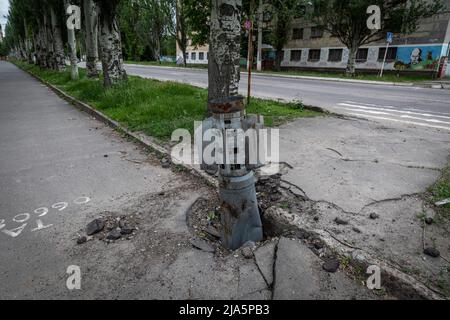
{"x": 166, "y": 163}
{"x": 429, "y": 221}
{"x": 331, "y": 265}
{"x": 356, "y": 230}
{"x": 247, "y": 252}
{"x": 81, "y": 240}
{"x": 106, "y": 156}
{"x": 432, "y": 252}
{"x": 374, "y": 216}
{"x": 318, "y": 245}
{"x": 114, "y": 235}
{"x": 95, "y": 227}
{"x": 316, "y": 218}
{"x": 340, "y": 221}
{"x": 125, "y": 230}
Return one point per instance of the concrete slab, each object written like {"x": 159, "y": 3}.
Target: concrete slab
{"x": 353, "y": 163}
{"x": 265, "y": 258}
{"x": 299, "y": 276}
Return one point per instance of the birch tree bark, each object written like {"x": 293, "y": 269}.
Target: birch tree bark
{"x": 48, "y": 41}
{"x": 111, "y": 45}
{"x": 72, "y": 44}
{"x": 181, "y": 31}
{"x": 58, "y": 47}
{"x": 28, "y": 48}
{"x": 224, "y": 44}
{"x": 91, "y": 26}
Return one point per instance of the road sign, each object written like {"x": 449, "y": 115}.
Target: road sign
{"x": 390, "y": 37}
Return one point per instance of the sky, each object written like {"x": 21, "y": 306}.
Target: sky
{"x": 4, "y": 5}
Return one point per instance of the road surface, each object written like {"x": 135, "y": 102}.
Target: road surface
{"x": 404, "y": 105}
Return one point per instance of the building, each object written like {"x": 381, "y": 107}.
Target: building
{"x": 194, "y": 54}
{"x": 310, "y": 47}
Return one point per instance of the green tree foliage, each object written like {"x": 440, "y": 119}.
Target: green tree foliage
{"x": 283, "y": 13}
{"x": 147, "y": 28}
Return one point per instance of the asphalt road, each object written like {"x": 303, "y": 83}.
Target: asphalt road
{"x": 403, "y": 105}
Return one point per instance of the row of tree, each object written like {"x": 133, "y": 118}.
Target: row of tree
{"x": 37, "y": 30}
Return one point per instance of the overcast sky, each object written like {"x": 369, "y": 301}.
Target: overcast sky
{"x": 4, "y": 4}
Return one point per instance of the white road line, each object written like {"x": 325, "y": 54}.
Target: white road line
{"x": 369, "y": 104}
{"x": 433, "y": 112}
{"x": 369, "y": 111}
{"x": 401, "y": 121}
{"x": 426, "y": 120}
{"x": 390, "y": 110}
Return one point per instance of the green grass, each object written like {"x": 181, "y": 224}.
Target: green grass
{"x": 154, "y": 107}
{"x": 440, "y": 191}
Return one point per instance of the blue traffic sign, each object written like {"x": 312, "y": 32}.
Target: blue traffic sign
{"x": 390, "y": 37}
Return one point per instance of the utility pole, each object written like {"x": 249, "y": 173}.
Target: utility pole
{"x": 390, "y": 38}
{"x": 249, "y": 25}
{"x": 260, "y": 36}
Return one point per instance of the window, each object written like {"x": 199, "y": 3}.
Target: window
{"x": 335, "y": 55}
{"x": 316, "y": 32}
{"x": 186, "y": 57}
{"x": 314, "y": 55}
{"x": 201, "y": 56}
{"x": 296, "y": 55}
{"x": 361, "y": 55}
{"x": 297, "y": 34}
{"x": 193, "y": 56}
{"x": 391, "y": 54}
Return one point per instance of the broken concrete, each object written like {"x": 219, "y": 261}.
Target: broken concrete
{"x": 299, "y": 276}
{"x": 372, "y": 163}
{"x": 265, "y": 259}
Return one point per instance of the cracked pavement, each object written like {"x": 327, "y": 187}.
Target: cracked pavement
{"x": 352, "y": 170}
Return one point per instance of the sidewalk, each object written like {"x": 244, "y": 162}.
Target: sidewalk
{"x": 67, "y": 169}
{"x": 363, "y": 184}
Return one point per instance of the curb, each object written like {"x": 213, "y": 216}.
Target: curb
{"x": 142, "y": 139}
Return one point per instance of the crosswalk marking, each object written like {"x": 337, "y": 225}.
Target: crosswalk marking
{"x": 391, "y": 110}
{"x": 401, "y": 121}
{"x": 388, "y": 113}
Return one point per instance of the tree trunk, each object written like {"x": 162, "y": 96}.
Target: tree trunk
{"x": 48, "y": 42}
{"x": 58, "y": 53}
{"x": 279, "y": 58}
{"x": 38, "y": 48}
{"x": 91, "y": 25}
{"x": 181, "y": 30}
{"x": 28, "y": 49}
{"x": 224, "y": 44}
{"x": 111, "y": 49}
{"x": 351, "y": 65}
{"x": 72, "y": 46}
{"x": 42, "y": 47}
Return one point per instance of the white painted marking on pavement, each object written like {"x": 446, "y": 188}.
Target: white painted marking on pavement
{"x": 401, "y": 121}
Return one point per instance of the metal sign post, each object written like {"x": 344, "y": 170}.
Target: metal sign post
{"x": 390, "y": 38}
{"x": 250, "y": 62}
{"x": 249, "y": 27}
